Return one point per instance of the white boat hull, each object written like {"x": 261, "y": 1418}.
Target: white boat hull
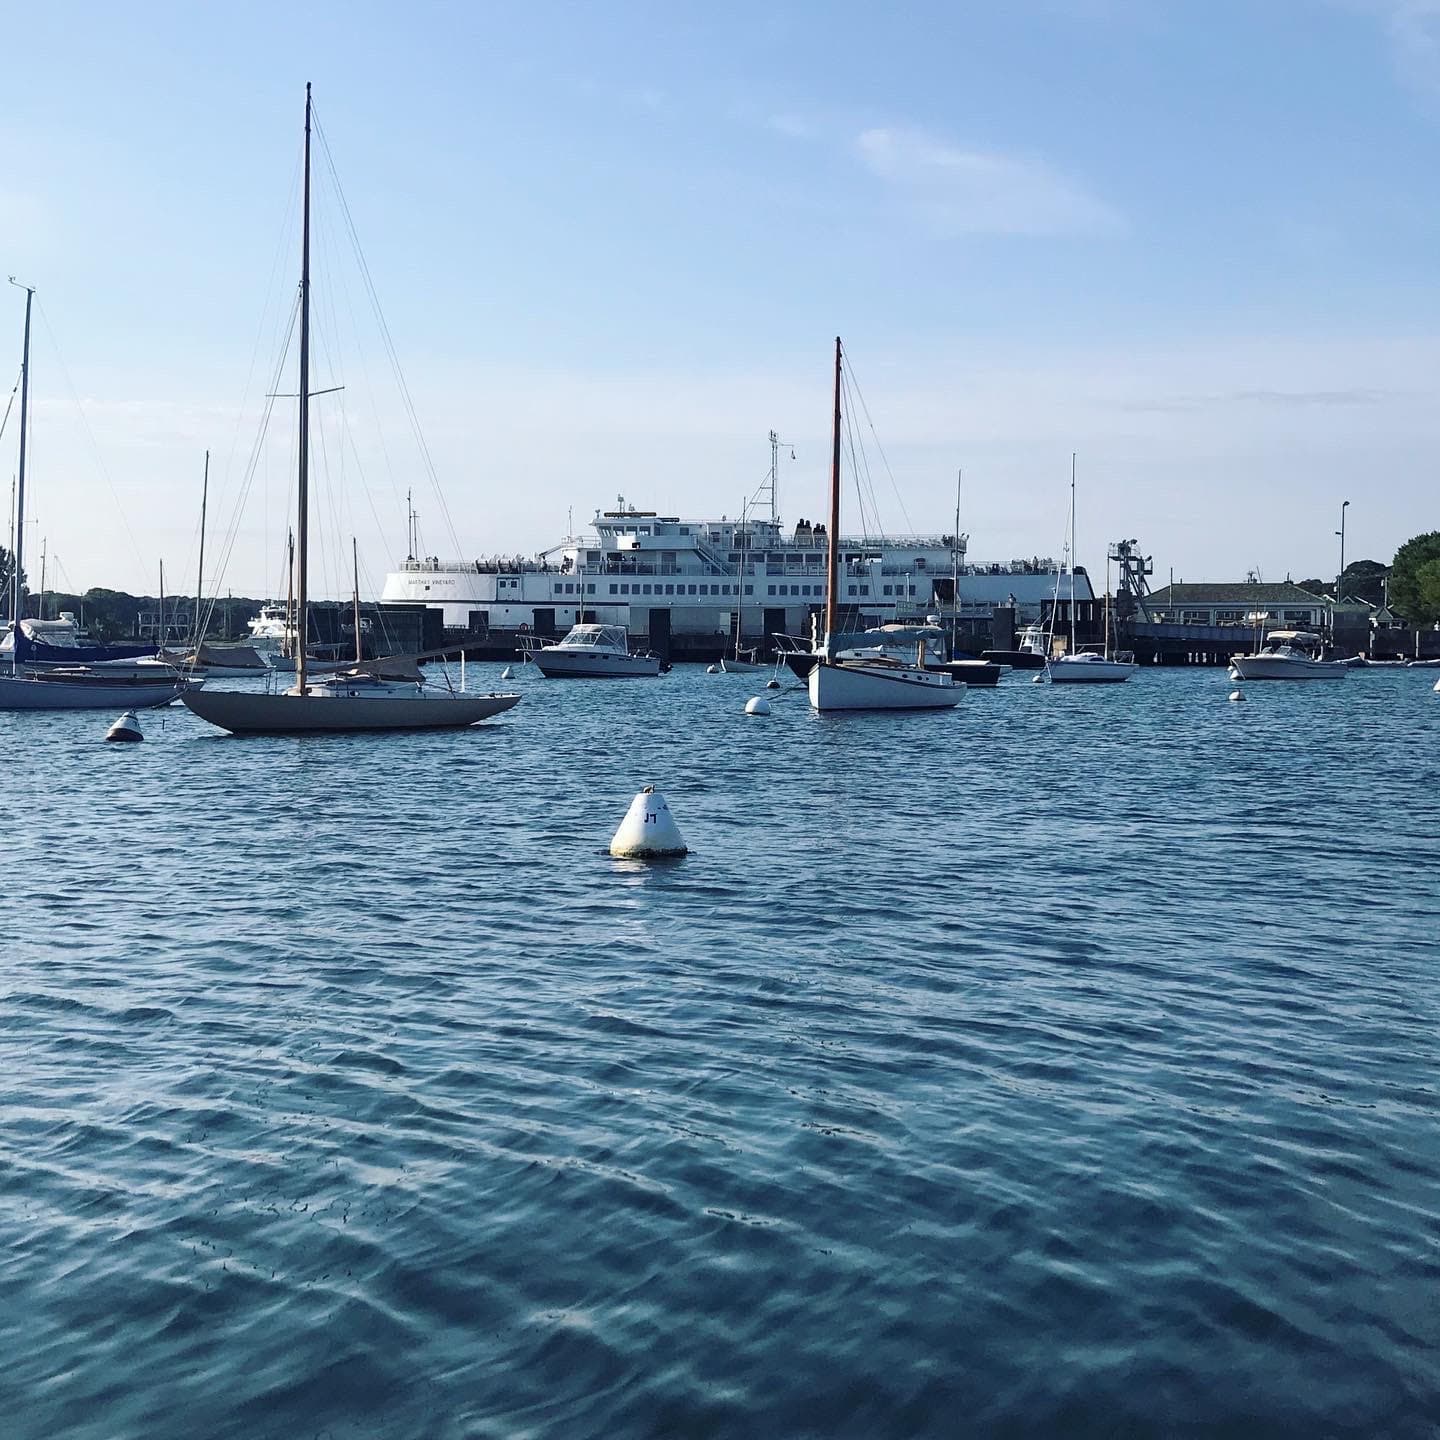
{"x": 29, "y": 692}
{"x": 556, "y": 663}
{"x": 339, "y": 710}
{"x": 881, "y": 687}
{"x": 1273, "y": 667}
{"x": 1097, "y": 671}
{"x": 736, "y": 667}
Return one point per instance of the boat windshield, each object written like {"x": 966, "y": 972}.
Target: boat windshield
{"x": 611, "y": 637}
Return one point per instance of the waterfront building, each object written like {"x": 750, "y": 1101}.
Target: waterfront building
{"x": 1230, "y": 603}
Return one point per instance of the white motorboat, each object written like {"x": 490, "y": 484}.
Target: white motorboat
{"x": 865, "y": 680}
{"x": 362, "y": 700}
{"x": 593, "y": 652}
{"x": 1288, "y": 655}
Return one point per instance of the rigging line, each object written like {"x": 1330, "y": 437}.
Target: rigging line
{"x": 862, "y": 472}
{"x": 257, "y": 451}
{"x": 909, "y": 524}
{"x": 390, "y": 348}
{"x": 90, "y": 434}
{"x": 10, "y": 402}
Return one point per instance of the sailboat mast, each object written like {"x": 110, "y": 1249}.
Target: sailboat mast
{"x": 18, "y": 555}
{"x": 286, "y": 648}
{"x": 302, "y": 584}
{"x": 955, "y": 569}
{"x": 200, "y": 569}
{"x": 355, "y": 560}
{"x": 832, "y": 566}
{"x": 162, "y": 605}
{"x": 1072, "y": 552}
{"x": 44, "y": 548}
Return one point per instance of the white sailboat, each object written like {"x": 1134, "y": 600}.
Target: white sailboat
{"x": 360, "y": 700}
{"x": 866, "y": 682}
{"x": 1077, "y": 667}
{"x": 58, "y": 686}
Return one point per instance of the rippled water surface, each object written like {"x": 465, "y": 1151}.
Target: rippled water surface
{"x": 1066, "y": 1065}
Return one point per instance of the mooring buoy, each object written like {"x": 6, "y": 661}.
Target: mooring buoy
{"x": 1237, "y": 694}
{"x": 648, "y": 831}
{"x": 507, "y": 673}
{"x": 127, "y": 727}
{"x": 757, "y": 705}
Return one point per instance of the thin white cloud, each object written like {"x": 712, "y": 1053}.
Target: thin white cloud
{"x": 964, "y": 191}
{"x": 1412, "y": 30}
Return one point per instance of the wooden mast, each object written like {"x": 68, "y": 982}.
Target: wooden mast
{"x": 302, "y": 586}
{"x": 17, "y": 593}
{"x": 832, "y": 625}
{"x": 200, "y": 569}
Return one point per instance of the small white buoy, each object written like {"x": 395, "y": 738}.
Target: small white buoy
{"x": 1237, "y": 694}
{"x": 507, "y": 673}
{"x": 648, "y": 831}
{"x": 1038, "y": 680}
{"x": 757, "y": 705}
{"x": 1234, "y": 673}
{"x": 772, "y": 683}
{"x": 1437, "y": 687}
{"x": 712, "y": 669}
{"x": 127, "y": 727}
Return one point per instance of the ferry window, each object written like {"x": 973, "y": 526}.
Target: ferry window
{"x": 727, "y": 589}
{"x": 851, "y": 590}
{"x": 646, "y": 590}
{"x": 692, "y": 589}
{"x": 864, "y": 589}
{"x": 669, "y": 589}
{"x": 771, "y": 590}
{"x": 612, "y": 589}
{"x": 889, "y": 589}
{"x": 625, "y": 589}
{"x": 590, "y": 589}
{"x": 749, "y": 589}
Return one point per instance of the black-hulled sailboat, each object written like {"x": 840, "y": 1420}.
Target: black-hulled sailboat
{"x": 366, "y": 698}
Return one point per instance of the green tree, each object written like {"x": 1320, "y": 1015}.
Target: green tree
{"x": 1415, "y": 579}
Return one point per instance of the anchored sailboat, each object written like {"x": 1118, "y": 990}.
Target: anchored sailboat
{"x": 367, "y": 697}
{"x": 843, "y": 680}
{"x": 62, "y": 678}
{"x": 1077, "y": 667}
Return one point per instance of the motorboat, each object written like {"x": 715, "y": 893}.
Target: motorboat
{"x": 1288, "y": 655}
{"x": 1031, "y": 648}
{"x": 594, "y": 652}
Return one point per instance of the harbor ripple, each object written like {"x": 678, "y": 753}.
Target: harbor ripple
{"x": 1065, "y": 1064}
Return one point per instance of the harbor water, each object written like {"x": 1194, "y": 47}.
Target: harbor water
{"x": 1066, "y": 1064}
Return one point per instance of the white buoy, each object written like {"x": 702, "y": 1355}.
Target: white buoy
{"x": 757, "y": 705}
{"x": 127, "y": 727}
{"x": 772, "y": 683}
{"x": 1237, "y": 694}
{"x": 1038, "y": 680}
{"x": 507, "y": 673}
{"x": 712, "y": 669}
{"x": 648, "y": 831}
{"x": 1437, "y": 687}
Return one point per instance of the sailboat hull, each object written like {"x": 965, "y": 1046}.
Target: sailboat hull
{"x": 249, "y": 713}
{"x": 1089, "y": 670}
{"x": 32, "y": 692}
{"x": 881, "y": 687}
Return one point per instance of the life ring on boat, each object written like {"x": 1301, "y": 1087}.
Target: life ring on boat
{"x": 524, "y": 628}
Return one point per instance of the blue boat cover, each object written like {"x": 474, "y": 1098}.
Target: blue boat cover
{"x": 37, "y": 652}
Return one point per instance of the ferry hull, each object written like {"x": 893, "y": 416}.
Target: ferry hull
{"x": 874, "y": 687}
{"x": 250, "y": 713}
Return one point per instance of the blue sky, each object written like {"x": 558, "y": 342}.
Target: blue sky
{"x": 1198, "y": 243}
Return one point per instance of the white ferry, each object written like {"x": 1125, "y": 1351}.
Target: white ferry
{"x": 661, "y": 577}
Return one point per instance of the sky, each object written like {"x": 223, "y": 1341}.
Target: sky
{"x": 1194, "y": 242}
